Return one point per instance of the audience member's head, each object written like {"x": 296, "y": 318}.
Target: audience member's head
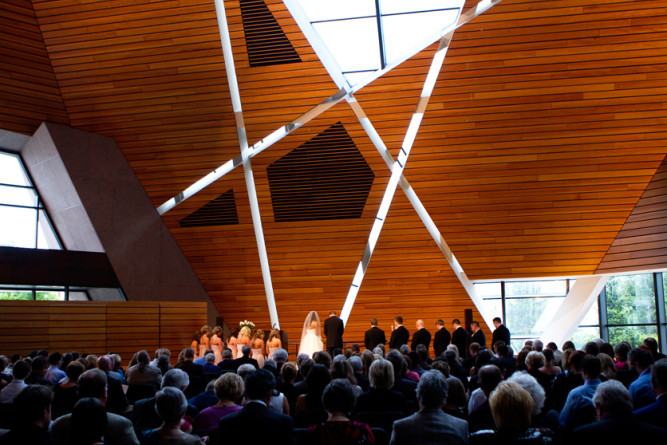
{"x": 538, "y": 345}
{"x": 530, "y": 384}
{"x": 259, "y": 385}
{"x": 640, "y": 359}
{"x": 21, "y": 370}
{"x": 443, "y": 367}
{"x": 32, "y": 406}
{"x": 175, "y": 378}
{"x": 568, "y": 345}
{"x": 338, "y": 397}
{"x": 489, "y": 377}
{"x": 38, "y": 365}
{"x": 621, "y": 351}
{"x": 170, "y": 405}
{"x": 652, "y": 344}
{"x": 511, "y": 408}
{"x": 88, "y": 421}
{"x": 612, "y": 399}
{"x": 456, "y": 393}
{"x": 322, "y": 358}
{"x": 473, "y": 348}
{"x": 188, "y": 354}
{"x": 553, "y": 346}
{"x": 659, "y": 377}
{"x": 246, "y": 350}
{"x": 341, "y": 369}
{"x": 398, "y": 362}
{"x": 229, "y": 387}
{"x": 288, "y": 372}
{"x": 606, "y": 348}
{"x": 74, "y": 370}
{"x": 591, "y": 367}
{"x": 55, "y": 359}
{"x": 432, "y": 389}
{"x": 318, "y": 378}
{"x": 245, "y": 369}
{"x": 357, "y": 364}
{"x": 548, "y": 356}
{"x": 143, "y": 359}
{"x": 227, "y": 354}
{"x": 381, "y": 374}
{"x": 93, "y": 383}
{"x": 575, "y": 361}
{"x": 608, "y": 369}
{"x": 535, "y": 360}
{"x": 210, "y": 358}
{"x": 592, "y": 348}
{"x": 280, "y": 355}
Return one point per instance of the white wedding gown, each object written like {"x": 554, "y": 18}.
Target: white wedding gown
{"x": 311, "y": 343}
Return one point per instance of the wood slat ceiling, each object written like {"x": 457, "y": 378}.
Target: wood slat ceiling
{"x": 545, "y": 127}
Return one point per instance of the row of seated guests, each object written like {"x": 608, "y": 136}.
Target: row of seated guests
{"x": 324, "y": 395}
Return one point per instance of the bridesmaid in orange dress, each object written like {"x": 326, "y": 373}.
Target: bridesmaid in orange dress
{"x": 216, "y": 344}
{"x": 204, "y": 342}
{"x": 232, "y": 341}
{"x": 273, "y": 342}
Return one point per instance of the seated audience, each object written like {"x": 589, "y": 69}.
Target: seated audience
{"x": 342, "y": 369}
{"x": 652, "y": 345}
{"x": 641, "y": 390}
{"x": 119, "y": 431}
{"x": 229, "y": 390}
{"x": 206, "y": 398}
{"x": 32, "y": 415}
{"x": 430, "y": 424}
{"x": 170, "y": 404}
{"x": 380, "y": 397}
{"x": 144, "y": 374}
{"x": 54, "y": 374}
{"x": 227, "y": 363}
{"x": 145, "y": 417}
{"x": 615, "y": 421}
{"x": 656, "y": 413}
{"x": 245, "y": 358}
{"x": 309, "y": 409}
{"x": 195, "y": 372}
{"x": 456, "y": 404}
{"x": 567, "y": 380}
{"x": 210, "y": 369}
{"x": 479, "y": 416}
{"x": 358, "y": 369}
{"x": 402, "y": 384}
{"x": 116, "y": 400}
{"x": 530, "y": 384}
{"x": 256, "y": 422}
{"x": 65, "y": 393}
{"x": 37, "y": 372}
{"x": 20, "y": 372}
{"x": 338, "y": 400}
{"x": 89, "y": 422}
{"x": 621, "y": 351}
{"x": 286, "y": 386}
{"x": 579, "y": 408}
{"x": 608, "y": 371}
{"x": 549, "y": 368}
{"x": 511, "y": 407}
{"x": 163, "y": 364}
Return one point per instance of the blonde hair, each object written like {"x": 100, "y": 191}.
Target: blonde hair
{"x": 259, "y": 334}
{"x": 216, "y": 330}
{"x": 245, "y": 330}
{"x": 511, "y": 407}
{"x": 274, "y": 333}
{"x": 229, "y": 386}
{"x": 381, "y": 374}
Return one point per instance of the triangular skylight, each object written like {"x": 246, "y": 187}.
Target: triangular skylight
{"x": 359, "y": 37}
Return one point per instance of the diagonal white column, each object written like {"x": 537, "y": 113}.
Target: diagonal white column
{"x": 318, "y": 109}
{"x": 396, "y": 173}
{"x": 245, "y": 159}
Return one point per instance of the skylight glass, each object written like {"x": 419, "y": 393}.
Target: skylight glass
{"x": 360, "y": 43}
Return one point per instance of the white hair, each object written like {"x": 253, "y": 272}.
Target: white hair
{"x": 530, "y": 384}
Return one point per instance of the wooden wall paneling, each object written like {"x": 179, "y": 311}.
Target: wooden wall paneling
{"x": 29, "y": 91}
{"x": 23, "y": 328}
{"x": 178, "y": 321}
{"x": 133, "y": 326}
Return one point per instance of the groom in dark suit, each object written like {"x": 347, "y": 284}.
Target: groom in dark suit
{"x": 333, "y": 329}
{"x": 256, "y": 422}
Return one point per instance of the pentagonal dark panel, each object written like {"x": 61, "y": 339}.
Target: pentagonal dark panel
{"x": 325, "y": 178}
{"x": 219, "y": 212}
{"x": 266, "y": 42}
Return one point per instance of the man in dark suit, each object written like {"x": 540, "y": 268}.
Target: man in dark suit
{"x": 400, "y": 335}
{"x": 441, "y": 339}
{"x": 195, "y": 373}
{"x": 501, "y": 333}
{"x": 256, "y": 422}
{"x": 245, "y": 358}
{"x": 333, "y": 329}
{"x": 477, "y": 335}
{"x": 460, "y": 338}
{"x": 421, "y": 336}
{"x": 656, "y": 413}
{"x": 374, "y": 336}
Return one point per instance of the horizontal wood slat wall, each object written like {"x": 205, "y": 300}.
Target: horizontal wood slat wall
{"x": 29, "y": 91}
{"x": 545, "y": 126}
{"x": 98, "y": 327}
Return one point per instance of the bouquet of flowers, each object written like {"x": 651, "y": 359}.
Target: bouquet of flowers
{"x": 249, "y": 324}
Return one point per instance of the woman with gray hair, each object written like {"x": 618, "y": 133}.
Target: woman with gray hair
{"x": 170, "y": 404}
{"x": 430, "y": 424}
{"x": 536, "y": 391}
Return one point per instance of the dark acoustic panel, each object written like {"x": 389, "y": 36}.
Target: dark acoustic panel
{"x": 219, "y": 212}
{"x": 325, "y": 178}
{"x": 266, "y": 42}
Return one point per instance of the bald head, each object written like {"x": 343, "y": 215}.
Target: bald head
{"x": 420, "y": 324}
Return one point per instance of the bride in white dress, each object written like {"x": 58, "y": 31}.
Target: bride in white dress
{"x": 311, "y": 339}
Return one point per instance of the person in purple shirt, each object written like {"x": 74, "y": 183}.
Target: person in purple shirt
{"x": 229, "y": 390}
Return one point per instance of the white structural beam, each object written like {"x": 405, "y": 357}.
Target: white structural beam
{"x": 578, "y": 301}
{"x": 245, "y": 159}
{"x": 318, "y": 109}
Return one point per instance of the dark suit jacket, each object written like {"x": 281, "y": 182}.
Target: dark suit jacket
{"x": 479, "y": 337}
{"x": 243, "y": 360}
{"x": 399, "y": 337}
{"x": 655, "y": 414}
{"x": 618, "y": 430}
{"x": 333, "y": 329}
{"x": 421, "y": 337}
{"x": 256, "y": 423}
{"x": 460, "y": 339}
{"x": 374, "y": 336}
{"x": 197, "y": 377}
{"x": 441, "y": 339}
{"x": 501, "y": 333}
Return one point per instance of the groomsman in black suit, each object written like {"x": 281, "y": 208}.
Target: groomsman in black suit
{"x": 500, "y": 333}
{"x": 400, "y": 335}
{"x": 460, "y": 338}
{"x": 421, "y": 336}
{"x": 441, "y": 339}
{"x": 477, "y": 335}
{"x": 374, "y": 336}
{"x": 333, "y": 329}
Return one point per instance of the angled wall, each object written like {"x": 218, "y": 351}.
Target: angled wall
{"x": 97, "y": 204}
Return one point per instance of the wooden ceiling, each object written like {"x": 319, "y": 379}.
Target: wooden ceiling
{"x": 545, "y": 127}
